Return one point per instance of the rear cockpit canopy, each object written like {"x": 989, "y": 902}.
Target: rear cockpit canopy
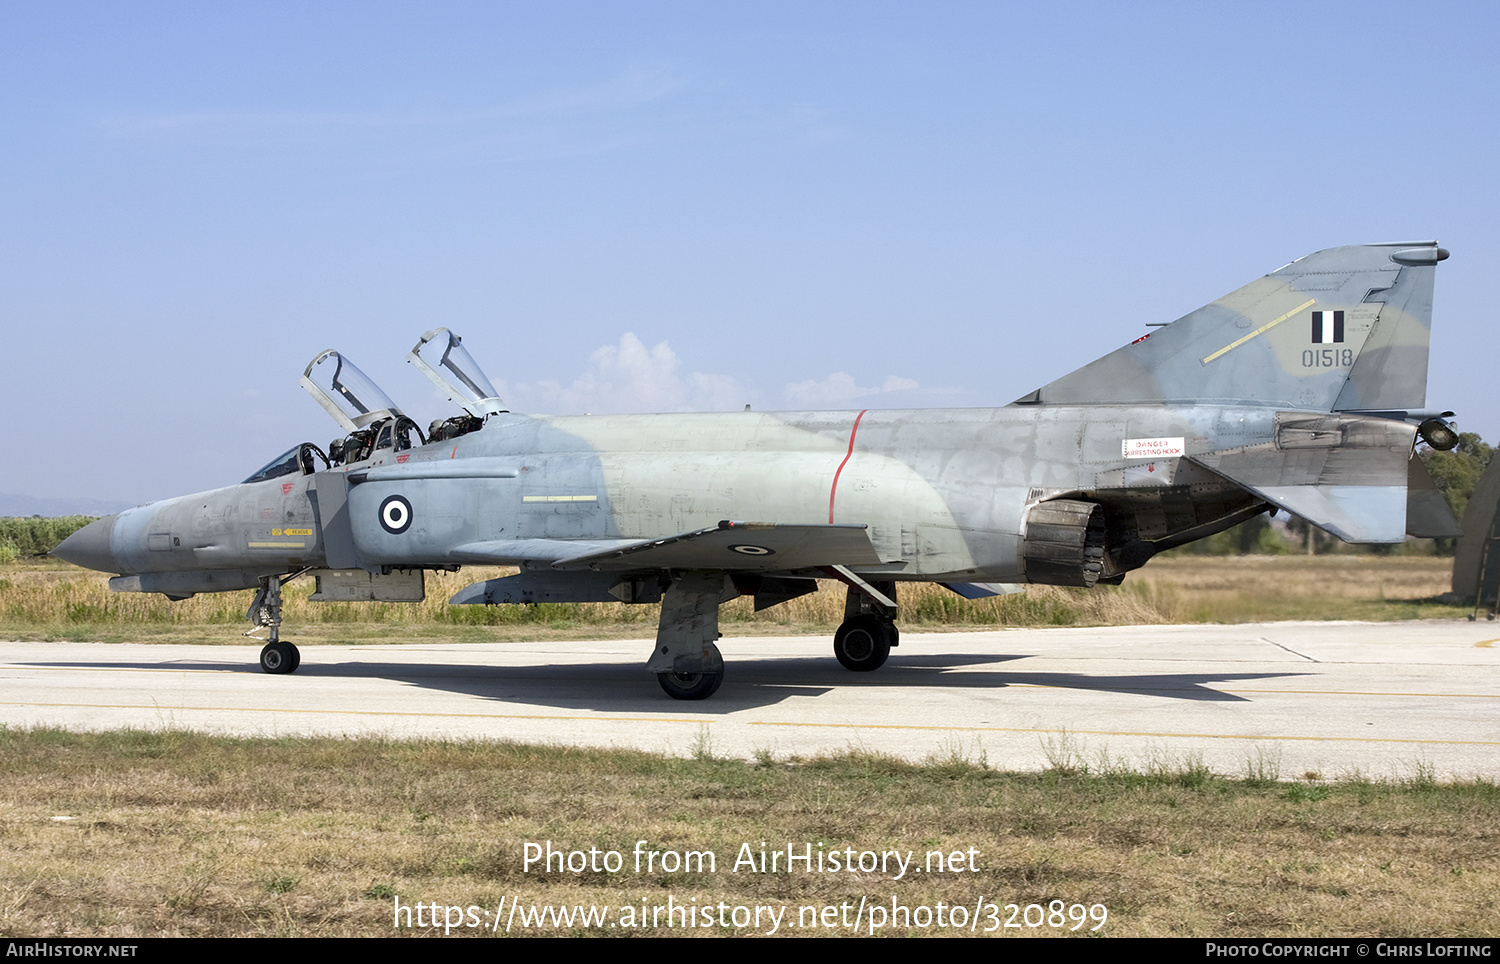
{"x": 455, "y": 373}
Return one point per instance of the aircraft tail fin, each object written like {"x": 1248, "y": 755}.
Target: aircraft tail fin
{"x": 1345, "y": 329}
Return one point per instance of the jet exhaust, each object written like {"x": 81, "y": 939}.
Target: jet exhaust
{"x": 1064, "y": 543}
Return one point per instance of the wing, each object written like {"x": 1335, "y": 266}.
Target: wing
{"x": 729, "y": 546}
{"x": 624, "y": 570}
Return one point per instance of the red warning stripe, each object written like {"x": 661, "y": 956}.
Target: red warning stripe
{"x": 834, "y": 489}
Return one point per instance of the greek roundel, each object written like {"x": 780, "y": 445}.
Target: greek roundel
{"x": 395, "y": 515}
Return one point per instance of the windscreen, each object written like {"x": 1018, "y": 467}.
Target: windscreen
{"x": 284, "y": 464}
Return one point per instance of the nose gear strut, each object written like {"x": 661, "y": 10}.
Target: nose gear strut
{"x": 265, "y": 613}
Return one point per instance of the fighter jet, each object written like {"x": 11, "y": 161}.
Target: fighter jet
{"x": 1303, "y": 391}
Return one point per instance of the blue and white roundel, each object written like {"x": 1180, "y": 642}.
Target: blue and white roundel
{"x": 395, "y": 515}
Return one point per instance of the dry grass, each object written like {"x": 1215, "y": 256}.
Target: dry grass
{"x": 180, "y": 834}
{"x": 1234, "y": 589}
{"x": 58, "y": 603}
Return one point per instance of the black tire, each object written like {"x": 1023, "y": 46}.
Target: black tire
{"x": 695, "y": 686}
{"x": 280, "y": 658}
{"x": 690, "y": 686}
{"x": 863, "y": 643}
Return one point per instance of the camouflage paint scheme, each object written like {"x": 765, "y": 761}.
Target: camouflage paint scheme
{"x": 1300, "y": 391}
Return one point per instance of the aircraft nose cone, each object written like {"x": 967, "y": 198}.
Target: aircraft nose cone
{"x": 89, "y": 547}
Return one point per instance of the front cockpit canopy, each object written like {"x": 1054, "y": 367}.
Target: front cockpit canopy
{"x": 350, "y": 397}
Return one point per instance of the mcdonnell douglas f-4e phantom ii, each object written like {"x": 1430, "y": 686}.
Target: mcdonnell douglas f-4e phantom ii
{"x": 1303, "y": 391}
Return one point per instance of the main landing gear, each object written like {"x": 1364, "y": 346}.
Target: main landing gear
{"x": 699, "y": 685}
{"x": 868, "y": 632}
{"x": 863, "y": 643}
{"x": 689, "y": 666}
{"x": 685, "y": 660}
{"x": 265, "y": 613}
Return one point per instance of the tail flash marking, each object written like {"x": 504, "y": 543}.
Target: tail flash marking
{"x": 1327, "y": 327}
{"x": 1261, "y": 330}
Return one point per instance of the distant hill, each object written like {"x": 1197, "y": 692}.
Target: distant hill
{"x": 30, "y": 505}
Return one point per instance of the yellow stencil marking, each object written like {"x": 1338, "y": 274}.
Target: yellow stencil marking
{"x": 1261, "y": 330}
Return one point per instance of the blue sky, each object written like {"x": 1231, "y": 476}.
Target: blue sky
{"x": 647, "y": 206}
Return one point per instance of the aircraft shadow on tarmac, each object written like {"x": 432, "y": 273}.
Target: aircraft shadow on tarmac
{"x": 604, "y": 687}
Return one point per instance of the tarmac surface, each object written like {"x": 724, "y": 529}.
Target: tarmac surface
{"x": 1384, "y": 700}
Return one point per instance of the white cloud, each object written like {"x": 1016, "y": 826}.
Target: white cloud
{"x": 629, "y": 377}
{"x": 633, "y": 88}
{"x": 840, "y": 389}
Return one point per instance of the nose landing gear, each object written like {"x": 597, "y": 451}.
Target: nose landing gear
{"x": 279, "y": 657}
{"x": 265, "y": 613}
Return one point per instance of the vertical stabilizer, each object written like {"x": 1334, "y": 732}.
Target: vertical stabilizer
{"x": 1343, "y": 329}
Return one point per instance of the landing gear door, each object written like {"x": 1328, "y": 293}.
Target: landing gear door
{"x": 345, "y": 392}
{"x": 450, "y": 367}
